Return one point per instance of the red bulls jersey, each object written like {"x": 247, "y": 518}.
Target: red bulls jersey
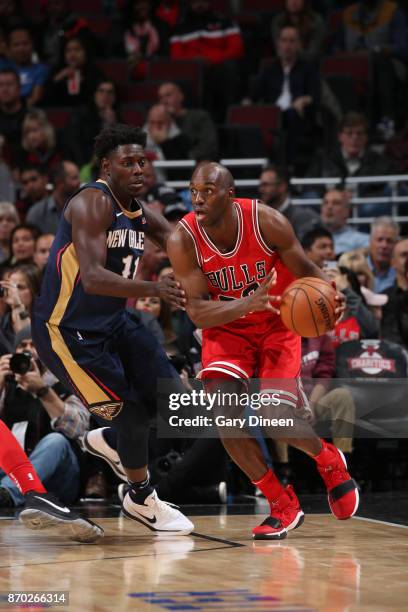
{"x": 239, "y": 272}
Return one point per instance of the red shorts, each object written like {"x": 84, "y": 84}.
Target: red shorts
{"x": 267, "y": 351}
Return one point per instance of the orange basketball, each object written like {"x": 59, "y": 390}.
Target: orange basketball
{"x": 307, "y": 307}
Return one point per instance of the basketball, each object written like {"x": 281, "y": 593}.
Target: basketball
{"x": 307, "y": 307}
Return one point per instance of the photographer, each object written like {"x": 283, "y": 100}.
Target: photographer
{"x": 45, "y": 418}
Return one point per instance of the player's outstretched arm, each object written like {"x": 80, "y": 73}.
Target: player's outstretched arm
{"x": 201, "y": 310}
{"x": 90, "y": 215}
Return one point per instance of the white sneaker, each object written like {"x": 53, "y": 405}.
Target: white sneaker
{"x": 95, "y": 443}
{"x": 157, "y": 515}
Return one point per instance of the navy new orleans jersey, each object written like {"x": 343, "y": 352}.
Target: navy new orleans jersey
{"x": 63, "y": 301}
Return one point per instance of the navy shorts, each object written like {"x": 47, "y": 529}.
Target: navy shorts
{"x": 105, "y": 371}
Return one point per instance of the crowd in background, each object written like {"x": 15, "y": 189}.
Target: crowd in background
{"x": 54, "y": 64}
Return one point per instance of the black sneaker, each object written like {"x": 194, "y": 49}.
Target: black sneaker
{"x": 44, "y": 510}
{"x": 6, "y": 501}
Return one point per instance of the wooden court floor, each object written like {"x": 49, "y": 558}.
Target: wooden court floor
{"x": 326, "y": 565}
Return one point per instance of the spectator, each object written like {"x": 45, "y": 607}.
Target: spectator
{"x": 12, "y": 113}
{"x": 310, "y": 25}
{"x": 87, "y": 121}
{"x": 76, "y": 78}
{"x": 55, "y": 421}
{"x": 319, "y": 246}
{"x": 356, "y": 261}
{"x": 293, "y": 85}
{"x": 145, "y": 36}
{"x": 357, "y": 321}
{"x": 335, "y": 407}
{"x": 7, "y": 186}
{"x": 34, "y": 182}
{"x": 384, "y": 235}
{"x": 174, "y": 211}
{"x": 218, "y": 43}
{"x": 39, "y": 140}
{"x": 58, "y": 25}
{"x": 8, "y": 220}
{"x": 32, "y": 75}
{"x": 158, "y": 196}
{"x": 274, "y": 191}
{"x": 43, "y": 246}
{"x": 164, "y": 139}
{"x": 46, "y": 214}
{"x": 20, "y": 288}
{"x": 334, "y": 213}
{"x": 352, "y": 157}
{"x": 394, "y": 325}
{"x": 379, "y": 28}
{"x": 195, "y": 123}
{"x": 22, "y": 243}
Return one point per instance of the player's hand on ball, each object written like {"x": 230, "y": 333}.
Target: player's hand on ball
{"x": 170, "y": 291}
{"x": 261, "y": 300}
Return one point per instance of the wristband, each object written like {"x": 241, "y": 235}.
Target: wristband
{"x": 42, "y": 392}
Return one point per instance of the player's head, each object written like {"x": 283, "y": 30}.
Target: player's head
{"x": 212, "y": 189}
{"x": 120, "y": 151}
{"x": 319, "y": 246}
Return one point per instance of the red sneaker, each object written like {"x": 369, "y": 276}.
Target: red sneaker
{"x": 342, "y": 490}
{"x": 286, "y": 514}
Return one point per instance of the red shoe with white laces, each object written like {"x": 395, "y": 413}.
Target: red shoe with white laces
{"x": 342, "y": 490}
{"x": 286, "y": 514}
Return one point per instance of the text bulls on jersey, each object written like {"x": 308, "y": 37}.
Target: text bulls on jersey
{"x": 235, "y": 278}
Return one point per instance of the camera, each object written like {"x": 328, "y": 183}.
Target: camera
{"x": 20, "y": 363}
{"x": 2, "y": 292}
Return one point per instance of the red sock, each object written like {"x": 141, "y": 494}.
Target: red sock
{"x": 16, "y": 464}
{"x": 325, "y": 456}
{"x": 269, "y": 485}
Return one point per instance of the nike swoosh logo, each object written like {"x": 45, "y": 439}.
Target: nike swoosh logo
{"x": 152, "y": 521}
{"x": 118, "y": 214}
{"x": 47, "y": 501}
{"x": 208, "y": 258}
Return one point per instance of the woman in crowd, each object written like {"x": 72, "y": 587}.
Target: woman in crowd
{"x": 76, "y": 78}
{"x": 39, "y": 140}
{"x": 20, "y": 287}
{"x": 8, "y": 221}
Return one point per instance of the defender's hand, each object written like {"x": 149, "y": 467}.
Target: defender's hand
{"x": 170, "y": 291}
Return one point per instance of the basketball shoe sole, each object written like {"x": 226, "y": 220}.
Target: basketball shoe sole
{"x": 44, "y": 510}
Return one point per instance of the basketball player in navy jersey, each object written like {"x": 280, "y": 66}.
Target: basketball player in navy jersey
{"x": 81, "y": 328}
{"x": 228, "y": 254}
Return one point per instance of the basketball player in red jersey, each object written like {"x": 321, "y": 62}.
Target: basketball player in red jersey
{"x": 228, "y": 254}
{"x": 42, "y": 509}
